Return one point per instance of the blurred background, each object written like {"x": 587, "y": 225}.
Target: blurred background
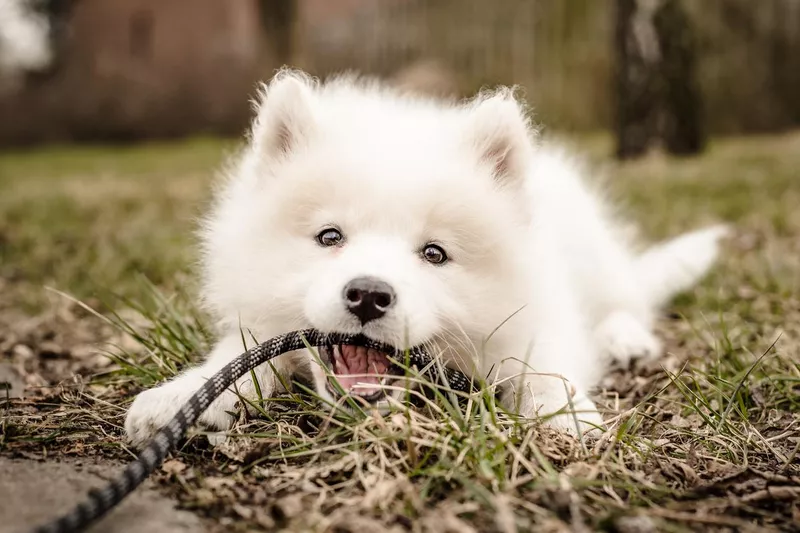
{"x": 115, "y": 114}
{"x": 122, "y": 70}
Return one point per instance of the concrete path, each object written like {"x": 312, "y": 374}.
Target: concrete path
{"x": 32, "y": 492}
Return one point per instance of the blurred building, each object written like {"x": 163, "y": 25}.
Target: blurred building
{"x": 146, "y": 68}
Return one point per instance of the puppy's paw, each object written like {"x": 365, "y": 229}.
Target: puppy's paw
{"x": 153, "y": 409}
{"x": 622, "y": 338}
{"x": 150, "y": 411}
{"x": 575, "y": 413}
{"x": 579, "y": 418}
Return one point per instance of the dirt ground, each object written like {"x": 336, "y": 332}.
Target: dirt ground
{"x": 706, "y": 438}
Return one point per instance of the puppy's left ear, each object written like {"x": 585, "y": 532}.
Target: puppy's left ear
{"x": 500, "y": 133}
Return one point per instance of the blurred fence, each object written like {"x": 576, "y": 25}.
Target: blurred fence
{"x": 558, "y": 51}
{"x": 561, "y": 52}
{"x": 149, "y": 68}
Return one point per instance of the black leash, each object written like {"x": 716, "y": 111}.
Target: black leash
{"x": 100, "y": 501}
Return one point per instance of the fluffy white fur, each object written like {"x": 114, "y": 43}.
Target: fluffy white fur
{"x": 541, "y": 287}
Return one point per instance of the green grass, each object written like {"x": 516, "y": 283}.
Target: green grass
{"x": 707, "y": 438}
{"x": 88, "y": 220}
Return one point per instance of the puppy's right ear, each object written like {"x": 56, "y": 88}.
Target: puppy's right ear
{"x": 499, "y": 132}
{"x": 284, "y": 119}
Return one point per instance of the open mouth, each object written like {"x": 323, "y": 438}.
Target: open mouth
{"x": 360, "y": 372}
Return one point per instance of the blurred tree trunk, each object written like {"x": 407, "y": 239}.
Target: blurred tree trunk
{"x": 636, "y": 53}
{"x": 279, "y": 18}
{"x": 682, "y": 116}
{"x": 656, "y": 92}
{"x": 785, "y": 56}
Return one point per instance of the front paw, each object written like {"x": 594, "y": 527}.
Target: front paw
{"x": 150, "y": 411}
{"x": 580, "y": 418}
{"x": 577, "y": 415}
{"x": 153, "y": 409}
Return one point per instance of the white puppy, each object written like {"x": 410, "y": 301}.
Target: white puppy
{"x": 356, "y": 208}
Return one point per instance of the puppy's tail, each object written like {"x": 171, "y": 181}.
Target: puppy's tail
{"x": 676, "y": 265}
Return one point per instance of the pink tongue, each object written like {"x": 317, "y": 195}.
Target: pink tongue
{"x": 361, "y": 366}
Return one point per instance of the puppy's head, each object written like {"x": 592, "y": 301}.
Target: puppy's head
{"x": 359, "y": 210}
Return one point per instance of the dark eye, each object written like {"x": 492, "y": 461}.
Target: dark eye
{"x": 434, "y": 254}
{"x": 330, "y": 237}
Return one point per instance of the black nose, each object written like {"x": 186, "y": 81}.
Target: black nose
{"x": 368, "y": 298}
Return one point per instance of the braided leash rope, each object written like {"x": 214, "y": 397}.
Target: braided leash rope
{"x": 100, "y": 501}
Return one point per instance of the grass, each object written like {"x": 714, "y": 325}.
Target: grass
{"x": 707, "y": 438}
{"x": 90, "y": 220}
